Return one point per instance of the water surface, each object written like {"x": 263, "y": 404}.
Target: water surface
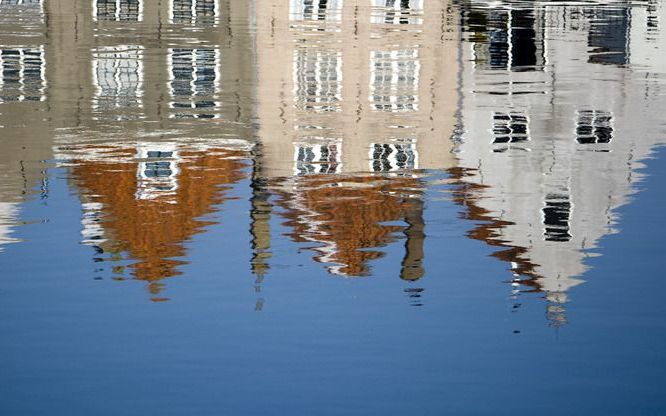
{"x": 331, "y": 207}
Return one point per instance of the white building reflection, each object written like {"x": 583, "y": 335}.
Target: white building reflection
{"x": 552, "y": 160}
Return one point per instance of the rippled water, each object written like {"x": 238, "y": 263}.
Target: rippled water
{"x": 332, "y": 207}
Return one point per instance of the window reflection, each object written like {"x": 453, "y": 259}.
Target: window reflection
{"x": 317, "y": 10}
{"x": 118, "y": 10}
{"x": 193, "y": 11}
{"x": 317, "y": 79}
{"x": 194, "y": 76}
{"x": 318, "y": 158}
{"x": 594, "y": 126}
{"x": 394, "y": 80}
{"x": 395, "y": 12}
{"x": 22, "y": 76}
{"x": 391, "y": 157}
{"x": 118, "y": 77}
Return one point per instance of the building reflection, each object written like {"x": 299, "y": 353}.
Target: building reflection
{"x": 147, "y": 169}
{"x": 348, "y": 105}
{"x": 351, "y": 111}
{"x": 144, "y": 201}
{"x": 23, "y": 94}
{"x": 546, "y": 163}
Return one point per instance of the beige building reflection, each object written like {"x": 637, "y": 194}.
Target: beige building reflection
{"x": 351, "y": 106}
{"x": 153, "y": 125}
{"x": 23, "y": 93}
{"x": 547, "y": 161}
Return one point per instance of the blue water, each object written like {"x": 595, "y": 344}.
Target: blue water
{"x": 83, "y": 332}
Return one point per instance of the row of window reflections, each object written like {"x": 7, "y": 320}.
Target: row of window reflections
{"x": 592, "y": 127}
{"x": 206, "y": 11}
{"x": 180, "y": 11}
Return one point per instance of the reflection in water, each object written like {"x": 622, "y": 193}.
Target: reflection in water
{"x": 118, "y": 10}
{"x": 143, "y": 202}
{"x": 22, "y": 74}
{"x": 118, "y": 77}
{"x": 537, "y": 115}
{"x": 550, "y": 205}
{"x": 344, "y": 216}
{"x": 200, "y": 12}
{"x": 194, "y": 77}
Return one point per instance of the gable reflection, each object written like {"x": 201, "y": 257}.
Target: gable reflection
{"x": 146, "y": 200}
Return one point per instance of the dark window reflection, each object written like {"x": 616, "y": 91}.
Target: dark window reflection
{"x": 594, "y": 126}
{"x": 118, "y": 10}
{"x": 193, "y": 11}
{"x": 194, "y": 77}
{"x": 393, "y": 157}
{"x": 556, "y": 215}
{"x": 609, "y": 35}
{"x": 318, "y": 158}
{"x": 510, "y": 128}
{"x": 22, "y": 74}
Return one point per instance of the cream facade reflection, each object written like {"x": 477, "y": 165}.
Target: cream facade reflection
{"x": 343, "y": 98}
{"x": 553, "y": 160}
{"x": 23, "y": 102}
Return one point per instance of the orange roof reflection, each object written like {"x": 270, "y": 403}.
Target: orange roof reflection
{"x": 153, "y": 230}
{"x": 346, "y": 217}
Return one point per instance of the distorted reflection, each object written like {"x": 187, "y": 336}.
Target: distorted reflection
{"x": 550, "y": 205}
{"x": 394, "y": 12}
{"x": 538, "y": 114}
{"x": 118, "y": 10}
{"x": 200, "y": 12}
{"x": 351, "y": 110}
{"x": 142, "y": 202}
{"x": 194, "y": 76}
{"x": 22, "y": 74}
{"x": 118, "y": 78}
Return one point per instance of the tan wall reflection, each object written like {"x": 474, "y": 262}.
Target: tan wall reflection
{"x": 347, "y": 93}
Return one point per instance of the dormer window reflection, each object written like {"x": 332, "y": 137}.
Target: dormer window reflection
{"x": 157, "y": 172}
{"x": 556, "y": 217}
